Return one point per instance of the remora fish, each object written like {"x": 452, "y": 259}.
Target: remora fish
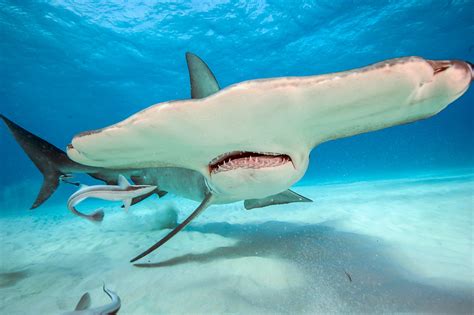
{"x": 83, "y": 306}
{"x": 250, "y": 141}
{"x": 121, "y": 192}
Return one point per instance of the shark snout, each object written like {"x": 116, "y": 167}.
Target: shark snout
{"x": 456, "y": 75}
{"x": 471, "y": 65}
{"x": 466, "y": 66}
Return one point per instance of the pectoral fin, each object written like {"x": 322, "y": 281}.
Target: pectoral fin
{"x": 204, "y": 204}
{"x": 285, "y": 197}
{"x": 140, "y": 198}
{"x": 126, "y": 204}
{"x": 138, "y": 180}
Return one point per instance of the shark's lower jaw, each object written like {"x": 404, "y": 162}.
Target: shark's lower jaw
{"x": 249, "y": 175}
{"x": 246, "y": 160}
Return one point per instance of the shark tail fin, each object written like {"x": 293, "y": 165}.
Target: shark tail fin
{"x": 47, "y": 158}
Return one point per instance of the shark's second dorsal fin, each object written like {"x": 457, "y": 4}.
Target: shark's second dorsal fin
{"x": 203, "y": 81}
{"x": 122, "y": 181}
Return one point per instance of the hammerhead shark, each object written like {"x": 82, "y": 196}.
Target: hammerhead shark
{"x": 121, "y": 192}
{"x": 83, "y": 306}
{"x": 250, "y": 141}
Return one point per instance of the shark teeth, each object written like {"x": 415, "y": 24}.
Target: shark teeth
{"x": 246, "y": 160}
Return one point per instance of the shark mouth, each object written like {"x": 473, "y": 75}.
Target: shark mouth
{"x": 247, "y": 160}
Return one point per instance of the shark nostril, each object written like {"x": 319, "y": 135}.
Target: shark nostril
{"x": 440, "y": 69}
{"x": 439, "y": 66}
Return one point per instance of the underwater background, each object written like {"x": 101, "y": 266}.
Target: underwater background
{"x": 70, "y": 66}
{"x": 404, "y": 193}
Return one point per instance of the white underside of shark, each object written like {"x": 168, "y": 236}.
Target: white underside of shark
{"x": 273, "y": 123}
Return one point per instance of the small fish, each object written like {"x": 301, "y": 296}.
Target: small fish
{"x": 124, "y": 191}
{"x": 83, "y": 306}
{"x": 348, "y": 276}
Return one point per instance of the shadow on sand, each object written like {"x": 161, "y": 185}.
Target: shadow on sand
{"x": 357, "y": 268}
{"x": 9, "y": 279}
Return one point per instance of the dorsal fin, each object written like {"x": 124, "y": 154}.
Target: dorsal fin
{"x": 84, "y": 303}
{"x": 203, "y": 81}
{"x": 122, "y": 181}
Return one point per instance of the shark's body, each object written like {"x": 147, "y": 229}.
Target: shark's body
{"x": 83, "y": 306}
{"x": 251, "y": 141}
{"x": 274, "y": 122}
{"x": 121, "y": 192}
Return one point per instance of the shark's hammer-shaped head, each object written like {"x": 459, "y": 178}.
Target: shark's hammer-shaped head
{"x": 382, "y": 95}
{"x": 440, "y": 83}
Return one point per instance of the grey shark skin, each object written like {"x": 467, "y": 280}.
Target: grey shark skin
{"x": 202, "y": 80}
{"x": 83, "y": 306}
{"x": 121, "y": 192}
{"x": 251, "y": 141}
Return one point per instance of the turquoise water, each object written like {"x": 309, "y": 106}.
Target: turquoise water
{"x": 69, "y": 67}
{"x": 392, "y": 209}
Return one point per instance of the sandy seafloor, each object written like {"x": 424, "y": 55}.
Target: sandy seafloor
{"x": 406, "y": 243}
